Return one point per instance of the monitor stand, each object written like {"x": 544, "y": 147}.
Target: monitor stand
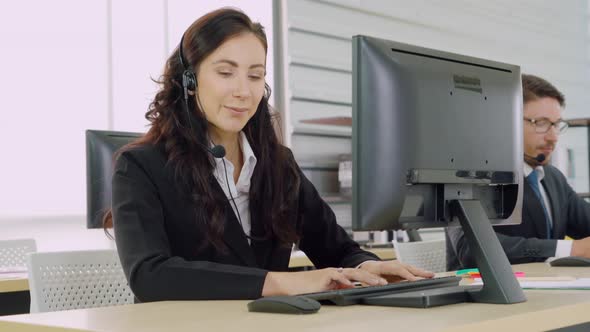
{"x": 413, "y": 235}
{"x": 500, "y": 284}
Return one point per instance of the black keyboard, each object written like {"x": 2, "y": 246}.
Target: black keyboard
{"x": 350, "y": 296}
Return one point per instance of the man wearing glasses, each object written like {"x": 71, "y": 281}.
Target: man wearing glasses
{"x": 551, "y": 209}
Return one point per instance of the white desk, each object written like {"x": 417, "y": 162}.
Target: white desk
{"x": 14, "y": 282}
{"x": 545, "y": 309}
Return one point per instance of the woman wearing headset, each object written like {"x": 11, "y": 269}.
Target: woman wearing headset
{"x": 208, "y": 204}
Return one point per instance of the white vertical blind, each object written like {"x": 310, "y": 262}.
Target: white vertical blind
{"x": 71, "y": 65}
{"x": 138, "y": 55}
{"x": 54, "y": 85}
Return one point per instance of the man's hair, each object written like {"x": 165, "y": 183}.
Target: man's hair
{"x": 534, "y": 87}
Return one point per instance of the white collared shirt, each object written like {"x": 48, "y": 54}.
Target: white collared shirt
{"x": 240, "y": 191}
{"x": 564, "y": 247}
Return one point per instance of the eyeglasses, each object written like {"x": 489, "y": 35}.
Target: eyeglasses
{"x": 542, "y": 125}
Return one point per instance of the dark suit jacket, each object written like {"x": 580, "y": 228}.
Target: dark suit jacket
{"x": 527, "y": 242}
{"x": 158, "y": 238}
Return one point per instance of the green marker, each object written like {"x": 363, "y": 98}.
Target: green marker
{"x": 465, "y": 271}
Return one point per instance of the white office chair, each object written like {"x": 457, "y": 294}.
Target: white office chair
{"x": 13, "y": 254}
{"x": 428, "y": 255}
{"x": 76, "y": 279}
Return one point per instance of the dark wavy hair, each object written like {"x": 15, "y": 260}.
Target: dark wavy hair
{"x": 275, "y": 181}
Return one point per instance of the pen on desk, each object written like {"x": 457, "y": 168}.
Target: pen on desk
{"x": 474, "y": 273}
{"x": 465, "y": 272}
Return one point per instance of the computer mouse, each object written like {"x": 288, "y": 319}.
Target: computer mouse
{"x": 570, "y": 261}
{"x": 285, "y": 305}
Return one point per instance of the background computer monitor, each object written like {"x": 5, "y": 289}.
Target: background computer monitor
{"x": 431, "y": 126}
{"x": 100, "y": 149}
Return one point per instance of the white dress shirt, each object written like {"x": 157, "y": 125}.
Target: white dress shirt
{"x": 239, "y": 190}
{"x": 564, "y": 247}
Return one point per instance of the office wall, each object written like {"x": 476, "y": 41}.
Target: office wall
{"x": 546, "y": 38}
{"x": 68, "y": 66}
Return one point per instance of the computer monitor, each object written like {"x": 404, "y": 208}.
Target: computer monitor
{"x": 437, "y": 140}
{"x": 100, "y": 148}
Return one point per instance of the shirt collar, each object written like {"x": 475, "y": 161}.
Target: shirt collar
{"x": 528, "y": 169}
{"x": 250, "y": 160}
{"x": 247, "y": 153}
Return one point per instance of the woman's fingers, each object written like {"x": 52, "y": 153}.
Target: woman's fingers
{"x": 418, "y": 271}
{"x": 395, "y": 271}
{"x": 364, "y": 276}
{"x": 338, "y": 276}
{"x": 398, "y": 270}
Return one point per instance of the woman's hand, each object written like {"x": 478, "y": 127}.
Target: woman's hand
{"x": 369, "y": 273}
{"x": 394, "y": 270}
{"x": 293, "y": 283}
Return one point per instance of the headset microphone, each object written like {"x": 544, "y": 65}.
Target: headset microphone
{"x": 218, "y": 151}
{"x": 540, "y": 157}
{"x": 536, "y": 160}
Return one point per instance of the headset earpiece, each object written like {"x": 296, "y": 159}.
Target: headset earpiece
{"x": 189, "y": 82}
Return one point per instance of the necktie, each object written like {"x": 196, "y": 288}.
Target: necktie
{"x": 533, "y": 180}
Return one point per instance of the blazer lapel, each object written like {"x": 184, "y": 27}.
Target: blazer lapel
{"x": 535, "y": 210}
{"x": 235, "y": 238}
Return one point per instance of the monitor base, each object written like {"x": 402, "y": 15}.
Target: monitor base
{"x": 427, "y": 298}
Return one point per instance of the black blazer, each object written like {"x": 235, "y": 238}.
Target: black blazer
{"x": 527, "y": 242}
{"x": 158, "y": 239}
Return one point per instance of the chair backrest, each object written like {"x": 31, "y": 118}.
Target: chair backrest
{"x": 13, "y": 254}
{"x": 428, "y": 255}
{"x": 76, "y": 279}
{"x": 101, "y": 146}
